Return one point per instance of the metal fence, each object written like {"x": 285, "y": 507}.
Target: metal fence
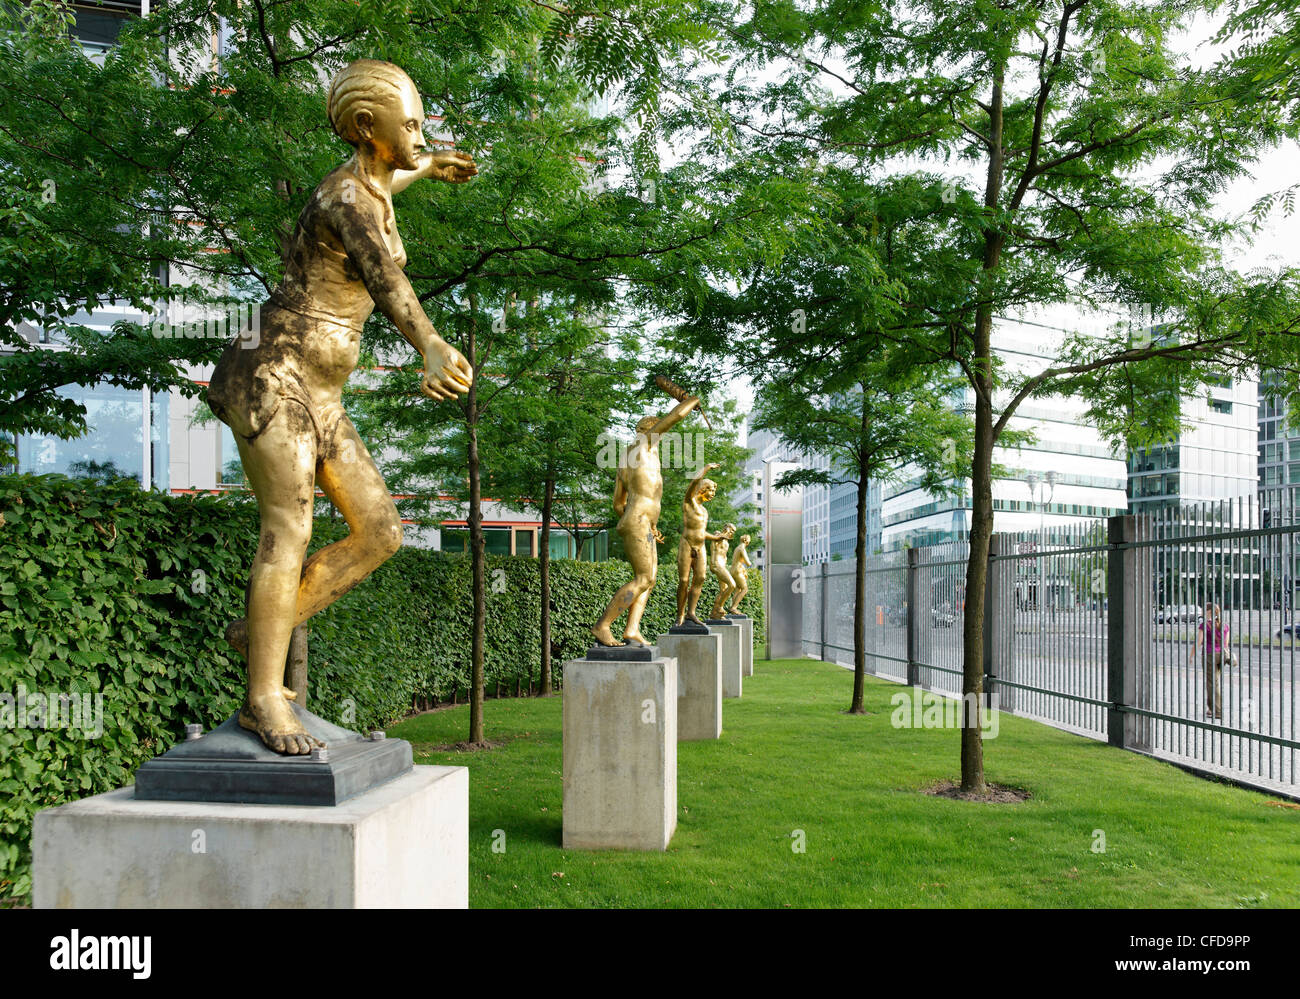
{"x": 1099, "y": 629}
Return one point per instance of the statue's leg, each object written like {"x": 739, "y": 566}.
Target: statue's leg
{"x": 698, "y": 568}
{"x": 647, "y": 572}
{"x": 622, "y": 601}
{"x": 348, "y": 476}
{"x": 683, "y": 578}
{"x": 742, "y": 587}
{"x": 280, "y": 464}
{"x": 725, "y": 585}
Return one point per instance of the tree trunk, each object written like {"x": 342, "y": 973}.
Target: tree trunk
{"x": 544, "y": 567}
{"x": 859, "y": 603}
{"x": 972, "y": 747}
{"x": 860, "y": 575}
{"x": 981, "y": 531}
{"x": 478, "y": 550}
{"x": 295, "y": 673}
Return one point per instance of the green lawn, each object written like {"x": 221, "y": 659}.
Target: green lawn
{"x": 791, "y": 759}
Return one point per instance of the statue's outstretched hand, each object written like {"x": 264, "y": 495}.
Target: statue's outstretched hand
{"x": 453, "y": 166}
{"x": 658, "y": 536}
{"x": 446, "y": 372}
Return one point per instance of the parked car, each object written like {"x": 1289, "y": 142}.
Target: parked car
{"x": 942, "y": 618}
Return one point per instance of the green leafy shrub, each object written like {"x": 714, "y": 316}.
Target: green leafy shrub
{"x": 112, "y": 591}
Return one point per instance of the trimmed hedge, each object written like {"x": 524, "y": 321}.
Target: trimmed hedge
{"x": 109, "y": 590}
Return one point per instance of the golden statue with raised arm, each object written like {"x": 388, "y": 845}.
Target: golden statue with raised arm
{"x": 282, "y": 397}
{"x": 638, "y": 492}
{"x": 690, "y": 549}
{"x": 739, "y": 563}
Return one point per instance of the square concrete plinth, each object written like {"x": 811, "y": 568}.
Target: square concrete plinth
{"x": 699, "y": 684}
{"x": 620, "y": 754}
{"x": 746, "y": 625}
{"x": 731, "y": 671}
{"x": 404, "y": 844}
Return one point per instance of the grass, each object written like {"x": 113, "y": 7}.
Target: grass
{"x": 791, "y": 759}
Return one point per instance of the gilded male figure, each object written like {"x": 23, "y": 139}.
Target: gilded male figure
{"x": 638, "y": 492}
{"x": 691, "y": 566}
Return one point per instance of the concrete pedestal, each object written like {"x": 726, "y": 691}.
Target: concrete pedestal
{"x": 699, "y": 684}
{"x": 746, "y": 625}
{"x": 620, "y": 754}
{"x": 404, "y": 844}
{"x": 731, "y": 671}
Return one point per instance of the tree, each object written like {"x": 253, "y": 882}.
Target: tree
{"x": 1093, "y": 154}
{"x": 566, "y": 407}
{"x": 875, "y": 422}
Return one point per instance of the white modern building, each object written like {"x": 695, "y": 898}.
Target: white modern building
{"x": 1219, "y": 455}
{"x": 1067, "y": 474}
{"x": 766, "y": 449}
{"x": 830, "y": 518}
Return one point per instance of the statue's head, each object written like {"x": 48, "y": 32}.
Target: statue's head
{"x": 644, "y": 426}
{"x": 708, "y": 488}
{"x": 375, "y": 104}
{"x": 744, "y": 539}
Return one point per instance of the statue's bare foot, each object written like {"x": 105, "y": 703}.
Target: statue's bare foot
{"x": 692, "y": 617}
{"x": 636, "y": 638}
{"x": 604, "y": 636}
{"x": 275, "y": 723}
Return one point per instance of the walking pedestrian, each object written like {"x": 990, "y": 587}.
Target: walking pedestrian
{"x": 1211, "y": 641}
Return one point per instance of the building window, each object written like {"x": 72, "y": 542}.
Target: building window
{"x": 496, "y": 540}
{"x": 526, "y": 542}
{"x": 230, "y": 470}
{"x": 112, "y": 447}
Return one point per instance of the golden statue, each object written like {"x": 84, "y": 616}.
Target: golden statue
{"x": 690, "y": 549}
{"x": 739, "y": 563}
{"x": 718, "y": 566}
{"x": 283, "y": 397}
{"x": 638, "y": 491}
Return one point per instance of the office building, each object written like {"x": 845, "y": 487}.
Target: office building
{"x": 1068, "y": 474}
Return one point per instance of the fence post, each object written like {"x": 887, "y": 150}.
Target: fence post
{"x": 1128, "y": 631}
{"x": 998, "y": 625}
{"x": 913, "y": 604}
{"x": 825, "y": 569}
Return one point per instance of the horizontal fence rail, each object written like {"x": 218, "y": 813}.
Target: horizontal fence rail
{"x": 1100, "y": 628}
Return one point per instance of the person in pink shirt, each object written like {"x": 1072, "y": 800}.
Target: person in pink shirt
{"x": 1212, "y": 636}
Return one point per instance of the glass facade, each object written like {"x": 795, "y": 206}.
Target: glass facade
{"x": 1216, "y": 457}
{"x": 497, "y": 541}
{"x": 114, "y": 446}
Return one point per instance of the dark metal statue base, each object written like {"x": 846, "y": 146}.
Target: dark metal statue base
{"x": 688, "y": 628}
{"x": 623, "y": 653}
{"x": 232, "y": 764}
